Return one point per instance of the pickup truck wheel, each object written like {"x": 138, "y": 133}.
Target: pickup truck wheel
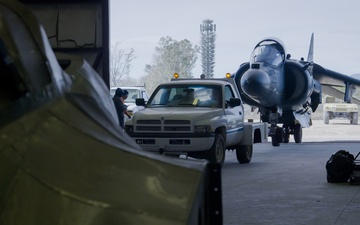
{"x": 217, "y": 152}
{"x": 244, "y": 153}
{"x": 354, "y": 118}
{"x": 326, "y": 117}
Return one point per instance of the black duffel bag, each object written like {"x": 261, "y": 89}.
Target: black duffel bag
{"x": 340, "y": 166}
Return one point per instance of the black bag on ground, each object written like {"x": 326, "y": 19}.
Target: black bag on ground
{"x": 340, "y": 166}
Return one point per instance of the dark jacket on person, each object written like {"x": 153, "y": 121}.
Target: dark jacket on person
{"x": 119, "y": 106}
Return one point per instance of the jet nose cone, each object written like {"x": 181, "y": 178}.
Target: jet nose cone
{"x": 255, "y": 83}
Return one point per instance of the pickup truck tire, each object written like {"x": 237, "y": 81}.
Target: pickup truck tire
{"x": 217, "y": 152}
{"x": 244, "y": 153}
{"x": 326, "y": 117}
{"x": 354, "y": 118}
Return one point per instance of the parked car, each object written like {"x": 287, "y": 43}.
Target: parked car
{"x": 134, "y": 93}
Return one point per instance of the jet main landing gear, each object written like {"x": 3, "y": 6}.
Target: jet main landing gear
{"x": 282, "y": 134}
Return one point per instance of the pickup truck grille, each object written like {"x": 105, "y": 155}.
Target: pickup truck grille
{"x": 148, "y": 122}
{"x": 163, "y": 126}
{"x": 341, "y": 109}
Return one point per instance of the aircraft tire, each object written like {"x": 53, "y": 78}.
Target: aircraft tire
{"x": 217, "y": 152}
{"x": 297, "y": 133}
{"x": 244, "y": 153}
{"x": 286, "y": 134}
{"x": 274, "y": 141}
{"x": 280, "y": 134}
{"x": 278, "y": 137}
{"x": 286, "y": 138}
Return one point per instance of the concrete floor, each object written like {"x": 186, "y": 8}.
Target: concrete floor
{"x": 287, "y": 184}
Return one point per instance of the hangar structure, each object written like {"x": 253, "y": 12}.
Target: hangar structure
{"x": 79, "y": 27}
{"x": 63, "y": 157}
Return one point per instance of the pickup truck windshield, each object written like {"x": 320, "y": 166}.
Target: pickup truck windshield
{"x": 187, "y": 96}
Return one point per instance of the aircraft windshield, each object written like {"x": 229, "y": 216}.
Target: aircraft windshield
{"x": 267, "y": 54}
{"x": 187, "y": 96}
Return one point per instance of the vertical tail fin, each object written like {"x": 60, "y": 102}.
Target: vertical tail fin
{"x": 311, "y": 50}
{"x": 310, "y": 58}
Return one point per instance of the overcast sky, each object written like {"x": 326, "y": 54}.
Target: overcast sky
{"x": 139, "y": 24}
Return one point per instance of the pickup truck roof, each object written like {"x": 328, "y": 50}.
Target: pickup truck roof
{"x": 202, "y": 81}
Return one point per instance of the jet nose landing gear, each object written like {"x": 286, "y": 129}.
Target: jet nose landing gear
{"x": 277, "y": 135}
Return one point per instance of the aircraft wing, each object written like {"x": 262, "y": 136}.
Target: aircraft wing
{"x": 337, "y": 94}
{"x": 332, "y": 78}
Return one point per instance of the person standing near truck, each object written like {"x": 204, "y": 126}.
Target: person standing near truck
{"x": 123, "y": 98}
{"x": 119, "y": 106}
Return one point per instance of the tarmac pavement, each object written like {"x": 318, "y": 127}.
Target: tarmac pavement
{"x": 287, "y": 184}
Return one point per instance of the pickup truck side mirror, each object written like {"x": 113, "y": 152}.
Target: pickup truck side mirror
{"x": 140, "y": 102}
{"x": 234, "y": 102}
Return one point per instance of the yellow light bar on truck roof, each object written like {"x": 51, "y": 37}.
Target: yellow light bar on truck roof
{"x": 228, "y": 75}
{"x": 176, "y": 75}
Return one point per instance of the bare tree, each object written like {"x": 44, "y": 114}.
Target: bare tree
{"x": 207, "y": 47}
{"x": 170, "y": 57}
{"x": 120, "y": 65}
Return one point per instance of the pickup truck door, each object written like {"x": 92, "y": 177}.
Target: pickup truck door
{"x": 235, "y": 118}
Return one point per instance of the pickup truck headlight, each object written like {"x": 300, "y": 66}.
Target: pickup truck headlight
{"x": 202, "y": 129}
{"x": 330, "y": 108}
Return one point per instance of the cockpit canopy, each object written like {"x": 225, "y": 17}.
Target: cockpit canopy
{"x": 268, "y": 52}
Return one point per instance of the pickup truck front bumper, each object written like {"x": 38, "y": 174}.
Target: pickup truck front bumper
{"x": 174, "y": 143}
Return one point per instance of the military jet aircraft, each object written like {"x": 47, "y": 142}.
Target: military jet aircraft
{"x": 286, "y": 91}
{"x": 64, "y": 158}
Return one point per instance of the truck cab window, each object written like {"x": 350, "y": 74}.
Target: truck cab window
{"x": 228, "y": 93}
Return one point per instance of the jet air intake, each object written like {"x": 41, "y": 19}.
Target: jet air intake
{"x": 299, "y": 84}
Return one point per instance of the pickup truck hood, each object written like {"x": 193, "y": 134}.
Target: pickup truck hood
{"x": 183, "y": 113}
{"x": 132, "y": 106}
